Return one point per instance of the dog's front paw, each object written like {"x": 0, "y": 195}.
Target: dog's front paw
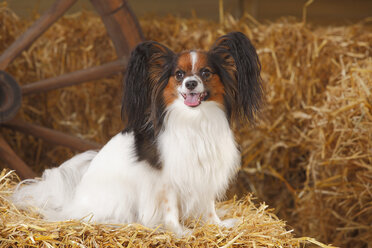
{"x": 182, "y": 232}
{"x": 230, "y": 223}
{"x": 185, "y": 232}
{"x": 179, "y": 230}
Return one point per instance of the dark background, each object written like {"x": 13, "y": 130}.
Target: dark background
{"x": 323, "y": 12}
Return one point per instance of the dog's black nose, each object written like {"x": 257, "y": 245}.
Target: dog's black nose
{"x": 191, "y": 84}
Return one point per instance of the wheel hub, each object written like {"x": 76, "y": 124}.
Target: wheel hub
{"x": 10, "y": 97}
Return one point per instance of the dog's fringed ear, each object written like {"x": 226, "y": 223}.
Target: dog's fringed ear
{"x": 239, "y": 69}
{"x": 148, "y": 69}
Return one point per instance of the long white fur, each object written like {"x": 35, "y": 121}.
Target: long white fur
{"x": 56, "y": 186}
{"x": 199, "y": 158}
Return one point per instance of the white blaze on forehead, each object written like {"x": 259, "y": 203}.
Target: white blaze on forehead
{"x": 194, "y": 58}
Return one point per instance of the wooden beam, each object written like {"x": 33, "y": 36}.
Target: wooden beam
{"x": 52, "y": 136}
{"x": 13, "y": 161}
{"x": 75, "y": 77}
{"x": 121, "y": 24}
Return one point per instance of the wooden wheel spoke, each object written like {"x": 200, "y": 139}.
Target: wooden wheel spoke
{"x": 76, "y": 77}
{"x": 40, "y": 26}
{"x": 13, "y": 161}
{"x": 52, "y": 136}
{"x": 121, "y": 24}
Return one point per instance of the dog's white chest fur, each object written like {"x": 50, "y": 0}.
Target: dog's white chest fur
{"x": 199, "y": 154}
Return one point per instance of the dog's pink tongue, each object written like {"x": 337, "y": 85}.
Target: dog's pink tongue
{"x": 192, "y": 100}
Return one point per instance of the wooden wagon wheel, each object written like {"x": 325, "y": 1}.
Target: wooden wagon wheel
{"x": 125, "y": 32}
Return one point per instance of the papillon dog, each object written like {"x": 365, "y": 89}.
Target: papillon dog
{"x": 177, "y": 153}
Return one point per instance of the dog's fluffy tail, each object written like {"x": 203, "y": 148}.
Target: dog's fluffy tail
{"x": 49, "y": 194}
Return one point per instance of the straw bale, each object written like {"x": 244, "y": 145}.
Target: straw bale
{"x": 310, "y": 154}
{"x": 313, "y": 148}
{"x": 259, "y": 228}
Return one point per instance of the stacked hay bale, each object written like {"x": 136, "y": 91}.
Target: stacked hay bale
{"x": 310, "y": 154}
{"x": 259, "y": 228}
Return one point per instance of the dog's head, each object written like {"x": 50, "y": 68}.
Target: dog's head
{"x": 156, "y": 77}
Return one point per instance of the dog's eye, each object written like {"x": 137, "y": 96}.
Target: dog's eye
{"x": 179, "y": 75}
{"x": 206, "y": 73}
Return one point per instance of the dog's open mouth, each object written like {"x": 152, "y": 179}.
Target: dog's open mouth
{"x": 194, "y": 99}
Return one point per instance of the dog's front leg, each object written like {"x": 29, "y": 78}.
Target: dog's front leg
{"x": 212, "y": 217}
{"x": 171, "y": 213}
